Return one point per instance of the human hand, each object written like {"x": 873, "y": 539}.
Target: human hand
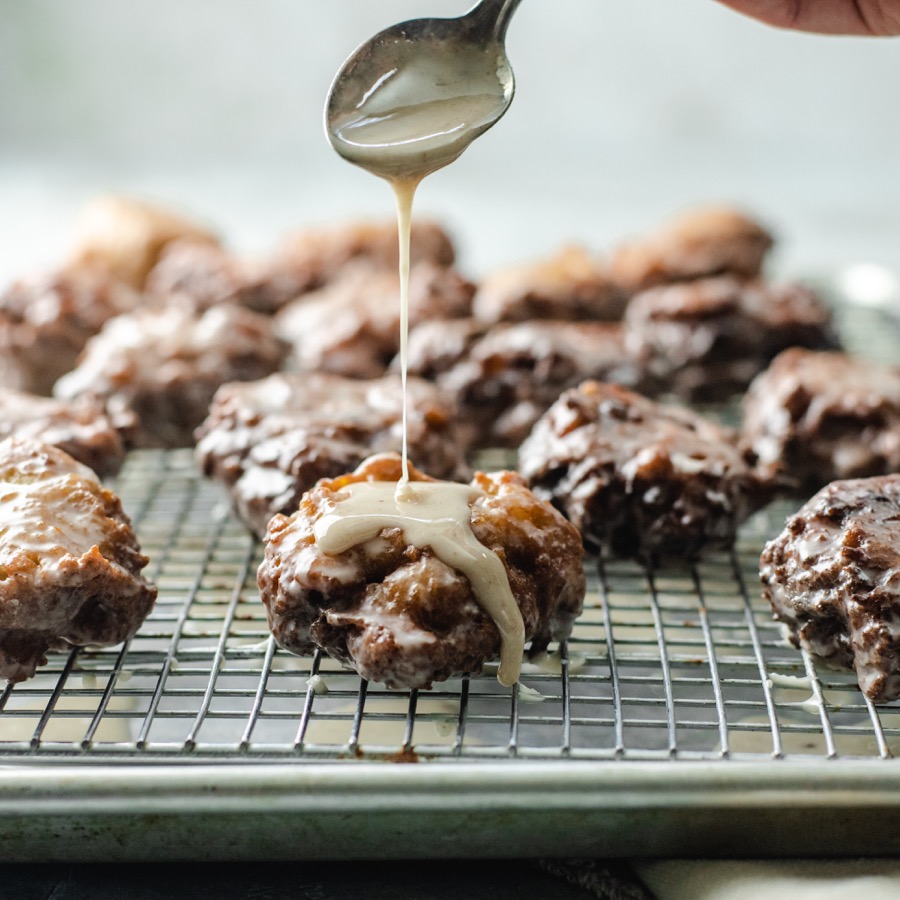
{"x": 860, "y": 17}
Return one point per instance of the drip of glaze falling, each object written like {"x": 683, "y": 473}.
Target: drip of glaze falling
{"x": 415, "y": 118}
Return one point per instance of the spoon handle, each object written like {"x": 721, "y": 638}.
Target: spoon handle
{"x": 491, "y": 18}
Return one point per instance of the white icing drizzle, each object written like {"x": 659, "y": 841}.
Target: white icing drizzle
{"x": 404, "y": 191}
{"x": 436, "y": 515}
{"x": 52, "y": 515}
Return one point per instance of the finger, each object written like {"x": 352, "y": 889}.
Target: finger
{"x": 859, "y": 17}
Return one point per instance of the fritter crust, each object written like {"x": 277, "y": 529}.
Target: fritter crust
{"x": 707, "y": 240}
{"x": 46, "y": 320}
{"x": 640, "y": 478}
{"x": 707, "y": 339}
{"x": 571, "y": 284}
{"x": 317, "y": 254}
{"x": 506, "y": 376}
{"x": 833, "y": 577}
{"x": 82, "y": 428}
{"x": 352, "y": 326}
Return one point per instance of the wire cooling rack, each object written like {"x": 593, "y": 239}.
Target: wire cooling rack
{"x": 676, "y": 688}
{"x": 661, "y": 664}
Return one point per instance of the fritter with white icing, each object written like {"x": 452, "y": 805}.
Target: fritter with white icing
{"x": 81, "y": 427}
{"x": 833, "y": 577}
{"x": 70, "y": 563}
{"x": 269, "y": 441}
{"x": 640, "y": 478}
{"x": 165, "y": 365}
{"x": 825, "y": 416}
{"x": 395, "y": 612}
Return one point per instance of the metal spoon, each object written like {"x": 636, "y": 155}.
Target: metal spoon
{"x": 412, "y": 98}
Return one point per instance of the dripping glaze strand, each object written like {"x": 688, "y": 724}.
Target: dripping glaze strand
{"x": 415, "y": 117}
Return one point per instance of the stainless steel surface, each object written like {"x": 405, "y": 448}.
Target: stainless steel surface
{"x": 374, "y": 61}
{"x": 491, "y": 18}
{"x": 677, "y": 720}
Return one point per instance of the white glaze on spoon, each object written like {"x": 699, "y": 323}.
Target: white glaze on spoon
{"x": 421, "y": 113}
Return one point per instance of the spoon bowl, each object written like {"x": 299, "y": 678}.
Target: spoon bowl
{"x": 411, "y": 99}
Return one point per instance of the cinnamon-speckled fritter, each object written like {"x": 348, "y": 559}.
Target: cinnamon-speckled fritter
{"x": 70, "y": 563}
{"x": 165, "y": 365}
{"x": 317, "y": 254}
{"x": 639, "y": 478}
{"x": 352, "y": 326}
{"x": 46, "y": 320}
{"x": 504, "y": 377}
{"x": 824, "y": 416}
{"x": 833, "y": 577}
{"x": 709, "y": 240}
{"x": 271, "y": 440}
{"x": 81, "y": 427}
{"x": 707, "y": 339}
{"x": 571, "y": 284}
{"x": 395, "y": 612}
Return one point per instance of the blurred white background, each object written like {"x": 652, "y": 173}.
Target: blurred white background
{"x": 625, "y": 112}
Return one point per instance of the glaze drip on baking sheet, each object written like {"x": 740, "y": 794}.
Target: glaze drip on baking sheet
{"x": 433, "y": 514}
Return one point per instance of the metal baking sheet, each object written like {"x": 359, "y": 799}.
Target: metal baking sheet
{"x": 676, "y": 720}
